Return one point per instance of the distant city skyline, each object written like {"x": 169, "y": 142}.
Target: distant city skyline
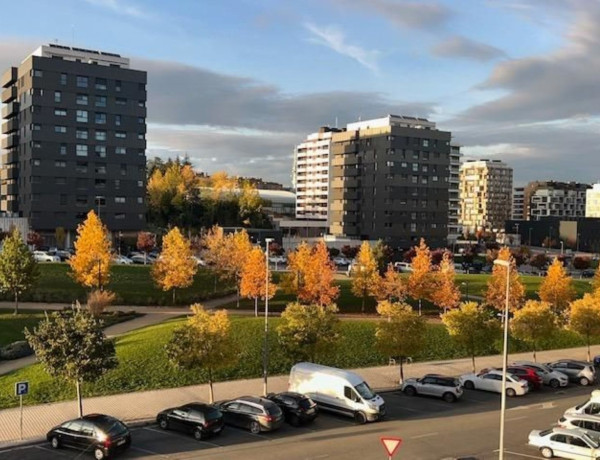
{"x": 237, "y": 84}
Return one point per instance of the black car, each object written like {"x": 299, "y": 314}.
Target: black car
{"x": 202, "y": 420}
{"x": 101, "y": 434}
{"x": 588, "y": 273}
{"x": 296, "y": 407}
{"x": 254, "y": 413}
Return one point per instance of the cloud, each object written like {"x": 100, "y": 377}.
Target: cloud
{"x": 333, "y": 38}
{"x": 118, "y": 6}
{"x": 462, "y": 47}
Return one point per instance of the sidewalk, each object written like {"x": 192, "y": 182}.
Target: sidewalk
{"x": 143, "y": 406}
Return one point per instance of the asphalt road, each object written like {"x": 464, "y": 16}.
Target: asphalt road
{"x": 430, "y": 428}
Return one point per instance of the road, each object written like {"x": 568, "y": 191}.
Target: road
{"x": 430, "y": 428}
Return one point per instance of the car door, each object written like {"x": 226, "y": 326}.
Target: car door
{"x": 231, "y": 413}
{"x": 247, "y": 414}
{"x": 87, "y": 436}
{"x": 578, "y": 448}
{"x": 486, "y": 382}
{"x": 67, "y": 433}
{"x": 178, "y": 418}
{"x": 564, "y": 368}
{"x": 351, "y": 400}
{"x": 558, "y": 444}
{"x": 427, "y": 386}
{"x": 592, "y": 409}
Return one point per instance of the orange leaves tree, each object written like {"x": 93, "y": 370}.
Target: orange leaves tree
{"x": 298, "y": 261}
{"x": 445, "y": 293}
{"x": 557, "y": 287}
{"x": 584, "y": 318}
{"x": 420, "y": 281}
{"x": 175, "y": 268}
{"x": 254, "y": 275}
{"x": 365, "y": 275}
{"x": 392, "y": 287}
{"x": 533, "y": 323}
{"x": 495, "y": 295}
{"x": 146, "y": 242}
{"x": 90, "y": 265}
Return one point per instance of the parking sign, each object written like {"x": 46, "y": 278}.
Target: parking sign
{"x": 21, "y": 388}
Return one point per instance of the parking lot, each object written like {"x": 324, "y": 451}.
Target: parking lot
{"x": 430, "y": 428}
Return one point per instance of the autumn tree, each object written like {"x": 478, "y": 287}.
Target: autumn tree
{"x": 401, "y": 333}
{"x": 445, "y": 293}
{"x": 584, "y": 319}
{"x": 383, "y": 255}
{"x": 203, "y": 342}
{"x": 557, "y": 288}
{"x": 254, "y": 275}
{"x": 214, "y": 243}
{"x": 319, "y": 287}
{"x": 539, "y": 260}
{"x": 305, "y": 332}
{"x": 581, "y": 263}
{"x": 175, "y": 268}
{"x": 298, "y": 261}
{"x": 18, "y": 268}
{"x": 471, "y": 327}
{"x": 596, "y": 280}
{"x": 90, "y": 265}
{"x": 235, "y": 250}
{"x": 420, "y": 281}
{"x": 350, "y": 252}
{"x": 35, "y": 240}
{"x": 391, "y": 287}
{"x": 495, "y": 295}
{"x": 534, "y": 322}
{"x": 146, "y": 242}
{"x": 250, "y": 205}
{"x": 365, "y": 276}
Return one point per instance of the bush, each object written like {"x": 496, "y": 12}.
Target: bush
{"x": 97, "y": 301}
{"x": 581, "y": 263}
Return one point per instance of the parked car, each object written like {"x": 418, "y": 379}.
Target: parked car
{"x": 587, "y": 273}
{"x": 199, "y": 261}
{"x": 590, "y": 407}
{"x": 254, "y": 413}
{"x": 141, "y": 259}
{"x": 339, "y": 260}
{"x": 101, "y": 434}
{"x": 492, "y": 381}
{"x": 447, "y": 388}
{"x": 589, "y": 423}
{"x": 528, "y": 374}
{"x": 61, "y": 254}
{"x": 581, "y": 372}
{"x": 564, "y": 443}
{"x": 41, "y": 256}
{"x": 122, "y": 260}
{"x": 403, "y": 266}
{"x": 486, "y": 269}
{"x": 278, "y": 260}
{"x": 549, "y": 376}
{"x": 297, "y": 408}
{"x": 202, "y": 420}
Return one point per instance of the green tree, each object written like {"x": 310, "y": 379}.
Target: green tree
{"x": 71, "y": 344}
{"x": 383, "y": 255}
{"x": 18, "y": 268}
{"x": 584, "y": 319}
{"x": 203, "y": 342}
{"x": 365, "y": 276}
{"x": 534, "y": 322}
{"x": 306, "y": 331}
{"x": 401, "y": 334}
{"x": 60, "y": 235}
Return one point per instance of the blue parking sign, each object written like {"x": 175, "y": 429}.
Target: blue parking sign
{"x": 21, "y": 388}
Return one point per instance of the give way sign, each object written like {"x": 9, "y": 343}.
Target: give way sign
{"x": 391, "y": 445}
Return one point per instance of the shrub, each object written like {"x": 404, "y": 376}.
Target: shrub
{"x": 98, "y": 300}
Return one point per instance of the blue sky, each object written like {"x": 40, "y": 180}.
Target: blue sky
{"x": 235, "y": 84}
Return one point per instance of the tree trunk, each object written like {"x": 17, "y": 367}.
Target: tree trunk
{"x": 211, "y": 395}
{"x": 473, "y": 362}
{"x": 79, "y": 400}
{"x": 237, "y": 293}
{"x": 256, "y": 306}
{"x": 401, "y": 370}
{"x": 534, "y": 356}
{"x": 173, "y": 296}
{"x": 419, "y": 307}
{"x": 215, "y": 288}
{"x": 362, "y": 308}
{"x": 16, "y": 303}
{"x": 588, "y": 347}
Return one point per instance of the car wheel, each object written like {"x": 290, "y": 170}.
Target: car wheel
{"x": 584, "y": 381}
{"x": 163, "y": 423}
{"x": 510, "y": 392}
{"x": 360, "y": 418}
{"x": 410, "y": 391}
{"x": 554, "y": 383}
{"x": 469, "y": 385}
{"x": 198, "y": 435}
{"x": 255, "y": 427}
{"x": 449, "y": 397}
{"x": 294, "y": 420}
{"x": 99, "y": 454}
{"x": 546, "y": 452}
{"x": 55, "y": 442}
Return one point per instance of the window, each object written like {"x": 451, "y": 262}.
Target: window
{"x": 38, "y": 73}
{"x": 118, "y": 120}
{"x": 60, "y": 180}
{"x": 60, "y": 164}
{"x": 120, "y": 101}
{"x": 62, "y": 149}
{"x": 81, "y": 133}
{"x": 120, "y": 150}
{"x": 120, "y": 215}
{"x": 141, "y": 120}
{"x": 100, "y": 151}
{"x": 117, "y": 184}
{"x": 81, "y": 200}
{"x": 100, "y": 183}
{"x": 140, "y": 183}
{"x": 425, "y": 142}
{"x": 100, "y": 168}
{"x": 123, "y": 169}
{"x": 82, "y": 82}
{"x": 100, "y": 101}
{"x": 120, "y": 199}
{"x": 60, "y": 129}
{"x": 82, "y": 116}
{"x": 81, "y": 167}
{"x": 415, "y": 167}
{"x": 60, "y": 112}
{"x": 120, "y": 134}
{"x": 413, "y": 227}
{"x": 118, "y": 85}
{"x": 390, "y": 163}
{"x": 82, "y": 99}
{"x": 141, "y": 137}
{"x": 63, "y": 79}
{"x": 100, "y": 135}
{"x": 101, "y": 83}
{"x": 36, "y": 127}
{"x": 142, "y": 103}
{"x": 100, "y": 118}
{"x": 81, "y": 150}
{"x": 36, "y": 162}
{"x": 57, "y": 96}
{"x": 63, "y": 200}
{"x": 140, "y": 200}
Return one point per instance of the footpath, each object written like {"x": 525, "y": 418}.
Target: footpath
{"x": 142, "y": 407}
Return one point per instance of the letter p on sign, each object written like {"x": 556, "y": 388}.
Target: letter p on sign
{"x": 21, "y": 388}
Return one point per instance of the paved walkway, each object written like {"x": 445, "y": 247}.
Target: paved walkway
{"x": 143, "y": 406}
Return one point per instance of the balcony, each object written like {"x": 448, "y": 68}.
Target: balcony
{"x": 9, "y": 77}
{"x": 10, "y": 125}
{"x": 10, "y": 157}
{"x": 8, "y": 94}
{"x": 10, "y": 141}
{"x": 9, "y": 189}
{"x": 6, "y": 173}
{"x": 10, "y": 110}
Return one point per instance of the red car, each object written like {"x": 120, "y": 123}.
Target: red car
{"x": 528, "y": 374}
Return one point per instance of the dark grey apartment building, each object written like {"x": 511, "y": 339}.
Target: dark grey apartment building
{"x": 389, "y": 180}
{"x": 74, "y": 122}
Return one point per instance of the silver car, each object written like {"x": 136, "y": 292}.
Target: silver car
{"x": 549, "y": 376}
{"x": 589, "y": 423}
{"x": 447, "y": 388}
{"x": 577, "y": 371}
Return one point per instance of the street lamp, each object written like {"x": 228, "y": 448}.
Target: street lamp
{"x": 562, "y": 245}
{"x": 266, "y": 345}
{"x": 466, "y": 284}
{"x": 506, "y": 264}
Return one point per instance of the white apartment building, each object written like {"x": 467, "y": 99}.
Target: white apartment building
{"x": 518, "y": 203}
{"x": 485, "y": 194}
{"x": 554, "y": 199}
{"x": 454, "y": 227}
{"x": 592, "y": 201}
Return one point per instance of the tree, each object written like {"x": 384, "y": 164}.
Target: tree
{"x": 298, "y": 262}
{"x": 318, "y": 287}
{"x": 214, "y": 244}
{"x": 401, "y": 334}
{"x": 365, "y": 276}
{"x": 254, "y": 275}
{"x": 146, "y": 242}
{"x": 175, "y": 268}
{"x": 409, "y": 255}
{"x": 438, "y": 255}
{"x": 471, "y": 327}
{"x": 581, "y": 263}
{"x": 539, "y": 261}
{"x": 60, "y": 235}
{"x": 250, "y": 205}
{"x": 235, "y": 250}
{"x": 596, "y": 280}
{"x": 420, "y": 281}
{"x": 71, "y": 345}
{"x": 534, "y": 322}
{"x": 495, "y": 295}
{"x": 203, "y": 342}
{"x": 306, "y": 331}
{"x": 445, "y": 293}
{"x": 349, "y": 252}
{"x": 584, "y": 318}
{"x": 18, "y": 268}
{"x": 557, "y": 288}
{"x": 35, "y": 240}
{"x": 383, "y": 255}
{"x": 392, "y": 286}
{"x": 90, "y": 265}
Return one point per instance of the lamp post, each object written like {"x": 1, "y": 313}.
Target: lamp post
{"x": 466, "y": 284}
{"x": 562, "y": 246}
{"x": 506, "y": 264}
{"x": 266, "y": 345}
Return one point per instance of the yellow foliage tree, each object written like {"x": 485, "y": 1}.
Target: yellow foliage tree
{"x": 254, "y": 276}
{"x": 222, "y": 185}
{"x": 533, "y": 322}
{"x": 420, "y": 281}
{"x": 445, "y": 293}
{"x": 392, "y": 286}
{"x": 298, "y": 262}
{"x": 365, "y": 275}
{"x": 90, "y": 265}
{"x": 318, "y": 287}
{"x": 235, "y": 251}
{"x": 495, "y": 295}
{"x": 596, "y": 280}
{"x": 584, "y": 318}
{"x": 557, "y": 287}
{"x": 175, "y": 268}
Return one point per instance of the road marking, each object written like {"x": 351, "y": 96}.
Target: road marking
{"x": 54, "y": 451}
{"x": 425, "y": 435}
{"x": 146, "y": 451}
{"x": 518, "y": 454}
{"x": 179, "y": 435}
{"x": 516, "y": 418}
{"x": 239, "y": 430}
{"x": 157, "y": 431}
{"x": 413, "y": 410}
{"x": 317, "y": 457}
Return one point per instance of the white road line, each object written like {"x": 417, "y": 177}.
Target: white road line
{"x": 157, "y": 431}
{"x": 179, "y": 435}
{"x": 518, "y": 454}
{"x": 51, "y": 450}
{"x": 409, "y": 409}
{"x": 516, "y": 418}
{"x": 146, "y": 451}
{"x": 425, "y": 435}
{"x": 239, "y": 430}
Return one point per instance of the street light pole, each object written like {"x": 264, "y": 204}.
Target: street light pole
{"x": 562, "y": 245}
{"x": 506, "y": 264}
{"x": 266, "y": 344}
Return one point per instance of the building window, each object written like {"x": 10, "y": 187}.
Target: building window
{"x": 414, "y": 179}
{"x": 142, "y": 103}
{"x": 141, "y": 152}
{"x": 36, "y": 162}
{"x": 37, "y": 145}
{"x": 60, "y": 164}
{"x": 140, "y": 200}
{"x": 140, "y": 183}
{"x": 82, "y": 99}
{"x": 141, "y": 120}
{"x": 100, "y": 101}
{"x": 120, "y": 150}
{"x": 100, "y": 135}
{"x": 38, "y": 73}
{"x": 63, "y": 79}
{"x": 100, "y": 118}
{"x": 141, "y": 137}
{"x": 82, "y": 82}
{"x": 57, "y": 96}
{"x": 63, "y": 200}
{"x": 82, "y": 116}
{"x": 60, "y": 180}
{"x": 36, "y": 127}
{"x": 413, "y": 227}
{"x": 62, "y": 149}
{"x": 123, "y": 169}
{"x": 425, "y": 142}
{"x": 60, "y": 129}
{"x": 81, "y": 200}
{"x": 415, "y": 167}
{"x": 100, "y": 183}
{"x": 120, "y": 134}
{"x": 81, "y": 150}
{"x": 118, "y": 86}
{"x": 390, "y": 163}
{"x": 120, "y": 215}
{"x": 118, "y": 120}
{"x": 434, "y": 178}
{"x": 121, "y": 101}
{"x": 81, "y": 167}
{"x": 60, "y": 112}
{"x": 100, "y": 169}
{"x": 120, "y": 199}
{"x": 117, "y": 184}
{"x": 81, "y": 133}
{"x": 101, "y": 151}
{"x": 101, "y": 83}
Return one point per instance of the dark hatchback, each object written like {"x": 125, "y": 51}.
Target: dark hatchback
{"x": 296, "y": 407}
{"x": 102, "y": 435}
{"x": 253, "y": 413}
{"x": 202, "y": 420}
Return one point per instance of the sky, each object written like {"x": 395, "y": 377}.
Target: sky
{"x": 236, "y": 84}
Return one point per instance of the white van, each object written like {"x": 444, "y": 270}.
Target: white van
{"x": 337, "y": 390}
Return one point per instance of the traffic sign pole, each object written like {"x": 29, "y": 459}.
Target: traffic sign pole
{"x": 21, "y": 401}
{"x": 391, "y": 445}
{"x": 21, "y": 388}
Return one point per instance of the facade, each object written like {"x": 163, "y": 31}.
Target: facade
{"x": 518, "y": 203}
{"x": 454, "y": 227}
{"x": 389, "y": 180}
{"x": 74, "y": 122}
{"x": 592, "y": 201}
{"x": 486, "y": 195}
{"x": 564, "y": 200}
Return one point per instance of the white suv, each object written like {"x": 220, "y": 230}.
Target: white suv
{"x": 447, "y": 388}
{"x": 41, "y": 256}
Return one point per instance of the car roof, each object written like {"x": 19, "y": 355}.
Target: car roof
{"x": 440, "y": 376}
{"x": 291, "y": 394}
{"x": 569, "y": 431}
{"x": 587, "y": 417}
{"x": 199, "y": 406}
{"x": 256, "y": 400}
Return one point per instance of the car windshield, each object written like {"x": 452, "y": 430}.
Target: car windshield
{"x": 275, "y": 410}
{"x": 364, "y": 390}
{"x": 305, "y": 403}
{"x": 110, "y": 426}
{"x": 212, "y": 415}
{"x": 589, "y": 441}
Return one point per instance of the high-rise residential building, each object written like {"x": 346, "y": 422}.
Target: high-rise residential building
{"x": 75, "y": 139}
{"x": 485, "y": 194}
{"x": 311, "y": 175}
{"x": 454, "y": 227}
{"x": 518, "y": 203}
{"x": 389, "y": 180}
{"x": 554, "y": 199}
{"x": 592, "y": 201}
